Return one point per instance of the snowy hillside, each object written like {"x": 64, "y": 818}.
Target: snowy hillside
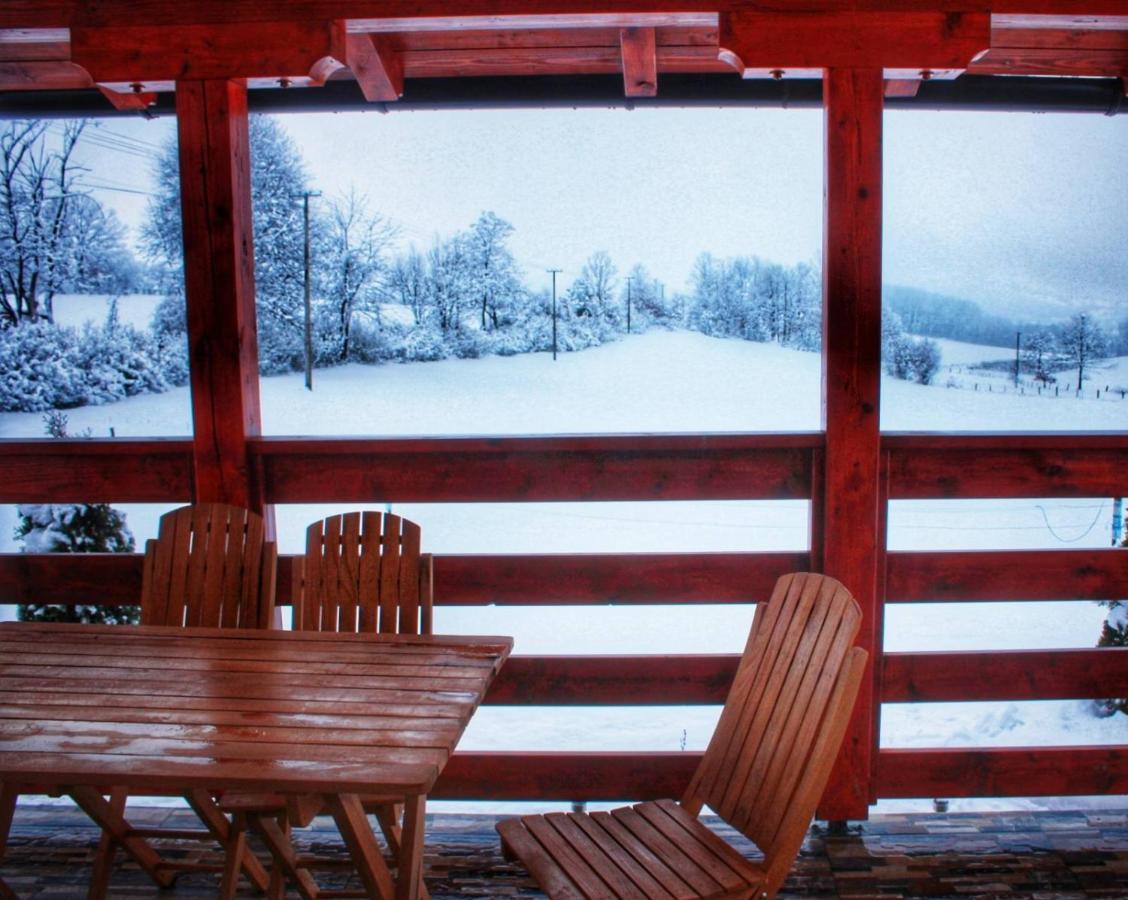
{"x": 680, "y": 382}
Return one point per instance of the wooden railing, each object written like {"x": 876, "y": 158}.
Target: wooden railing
{"x": 698, "y": 467}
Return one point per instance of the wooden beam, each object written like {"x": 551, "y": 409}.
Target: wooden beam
{"x": 640, "y": 62}
{"x": 1005, "y": 675}
{"x": 606, "y": 776}
{"x": 1053, "y": 61}
{"x": 990, "y": 575}
{"x": 902, "y": 87}
{"x": 55, "y": 75}
{"x": 377, "y": 67}
{"x": 1003, "y": 772}
{"x": 215, "y": 194}
{"x": 618, "y": 578}
{"x": 667, "y": 680}
{"x": 1014, "y": 465}
{"x": 852, "y": 39}
{"x": 145, "y": 53}
{"x": 77, "y": 470}
{"x": 854, "y": 546}
{"x": 615, "y": 467}
{"x": 133, "y": 100}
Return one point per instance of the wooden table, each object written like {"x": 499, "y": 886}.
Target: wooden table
{"x": 177, "y": 710}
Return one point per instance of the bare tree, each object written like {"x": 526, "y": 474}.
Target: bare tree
{"x": 1081, "y": 340}
{"x": 37, "y": 194}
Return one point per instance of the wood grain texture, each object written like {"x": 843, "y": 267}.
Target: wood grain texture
{"x": 853, "y": 550}
{"x": 986, "y": 575}
{"x": 1005, "y": 675}
{"x": 618, "y": 467}
{"x": 640, "y": 62}
{"x": 219, "y": 282}
{"x": 1003, "y": 772}
{"x": 121, "y": 470}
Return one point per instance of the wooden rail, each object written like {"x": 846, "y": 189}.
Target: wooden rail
{"x": 658, "y": 468}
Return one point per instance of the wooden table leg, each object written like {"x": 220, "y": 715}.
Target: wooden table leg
{"x": 205, "y": 808}
{"x": 107, "y": 849}
{"x": 8, "y": 795}
{"x": 95, "y": 805}
{"x": 410, "y": 875}
{"x": 357, "y": 834}
{"x": 277, "y": 840}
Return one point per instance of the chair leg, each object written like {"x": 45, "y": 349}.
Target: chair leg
{"x": 107, "y": 850}
{"x": 389, "y": 816}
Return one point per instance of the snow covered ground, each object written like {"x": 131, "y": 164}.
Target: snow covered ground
{"x": 682, "y": 382}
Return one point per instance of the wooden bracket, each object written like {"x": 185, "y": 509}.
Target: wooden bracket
{"x": 128, "y": 100}
{"x": 640, "y": 61}
{"x": 376, "y": 65}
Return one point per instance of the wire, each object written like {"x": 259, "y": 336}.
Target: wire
{"x": 1058, "y": 537}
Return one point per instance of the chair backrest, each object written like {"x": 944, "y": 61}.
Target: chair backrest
{"x": 769, "y": 760}
{"x": 211, "y": 566}
{"x": 365, "y": 572}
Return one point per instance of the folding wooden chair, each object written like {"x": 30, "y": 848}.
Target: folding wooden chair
{"x": 209, "y": 566}
{"x": 362, "y": 572}
{"x": 763, "y": 773}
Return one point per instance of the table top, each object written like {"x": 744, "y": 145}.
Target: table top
{"x": 149, "y": 707}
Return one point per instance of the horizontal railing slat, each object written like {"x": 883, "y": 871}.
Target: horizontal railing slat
{"x": 597, "y": 776}
{"x": 512, "y": 469}
{"x": 1005, "y": 675}
{"x": 1005, "y": 465}
{"x": 1002, "y": 772}
{"x": 972, "y": 575}
{"x": 120, "y": 470}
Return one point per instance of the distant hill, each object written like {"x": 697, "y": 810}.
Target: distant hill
{"x": 938, "y": 315}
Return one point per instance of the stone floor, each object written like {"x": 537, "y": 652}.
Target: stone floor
{"x": 1034, "y": 855}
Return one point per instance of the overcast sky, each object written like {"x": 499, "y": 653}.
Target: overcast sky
{"x": 1020, "y": 212}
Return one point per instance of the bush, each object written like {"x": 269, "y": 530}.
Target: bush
{"x": 37, "y": 370}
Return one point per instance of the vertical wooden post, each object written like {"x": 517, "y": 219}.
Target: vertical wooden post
{"x": 215, "y": 197}
{"x": 853, "y": 545}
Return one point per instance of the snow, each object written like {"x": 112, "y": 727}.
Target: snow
{"x": 685, "y": 382}
{"x": 133, "y": 309}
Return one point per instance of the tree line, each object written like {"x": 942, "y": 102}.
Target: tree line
{"x": 373, "y": 299}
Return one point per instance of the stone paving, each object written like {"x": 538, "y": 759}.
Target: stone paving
{"x": 1032, "y": 855}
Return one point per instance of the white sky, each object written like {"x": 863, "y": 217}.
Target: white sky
{"x": 1026, "y": 214}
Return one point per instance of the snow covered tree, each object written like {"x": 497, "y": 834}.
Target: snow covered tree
{"x": 351, "y": 262}
{"x": 1114, "y": 633}
{"x": 51, "y": 233}
{"x": 1038, "y": 355}
{"x": 407, "y": 283}
{"x": 494, "y": 280}
{"x": 277, "y": 183}
{"x": 1080, "y": 342}
{"x": 449, "y": 280}
{"x": 648, "y": 299}
{"x": 73, "y": 528}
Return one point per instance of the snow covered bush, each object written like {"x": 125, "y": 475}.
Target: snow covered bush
{"x": 73, "y": 528}
{"x": 905, "y": 357}
{"x": 37, "y": 371}
{"x": 1114, "y": 633}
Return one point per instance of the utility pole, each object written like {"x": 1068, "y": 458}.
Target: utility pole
{"x": 1017, "y": 338}
{"x": 630, "y": 281}
{"x": 308, "y": 300}
{"x": 554, "y": 272}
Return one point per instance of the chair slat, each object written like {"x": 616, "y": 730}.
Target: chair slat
{"x": 331, "y": 574}
{"x": 621, "y": 858}
{"x": 701, "y": 883}
{"x": 349, "y": 572}
{"x": 389, "y": 574}
{"x": 688, "y": 842}
{"x": 368, "y": 583}
{"x": 410, "y": 542}
{"x": 549, "y": 875}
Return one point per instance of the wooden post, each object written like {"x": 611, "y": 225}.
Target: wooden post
{"x": 215, "y": 196}
{"x": 853, "y": 543}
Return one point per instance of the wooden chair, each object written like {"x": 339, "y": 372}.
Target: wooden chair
{"x": 362, "y": 572}
{"x": 209, "y": 566}
{"x": 764, "y": 770}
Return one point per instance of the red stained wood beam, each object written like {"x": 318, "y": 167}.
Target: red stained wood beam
{"x": 54, "y": 75}
{"x": 851, "y": 504}
{"x": 626, "y": 467}
{"x": 652, "y": 680}
{"x": 135, "y": 101}
{"x": 549, "y": 580}
{"x": 972, "y": 575}
{"x": 1005, "y": 675}
{"x": 640, "y": 62}
{"x": 284, "y": 49}
{"x": 459, "y": 580}
{"x": 1005, "y": 465}
{"x": 376, "y": 65}
{"x": 999, "y": 772}
{"x": 1053, "y": 61}
{"x": 520, "y": 775}
{"x": 57, "y": 13}
{"x": 123, "y": 470}
{"x": 853, "y": 38}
